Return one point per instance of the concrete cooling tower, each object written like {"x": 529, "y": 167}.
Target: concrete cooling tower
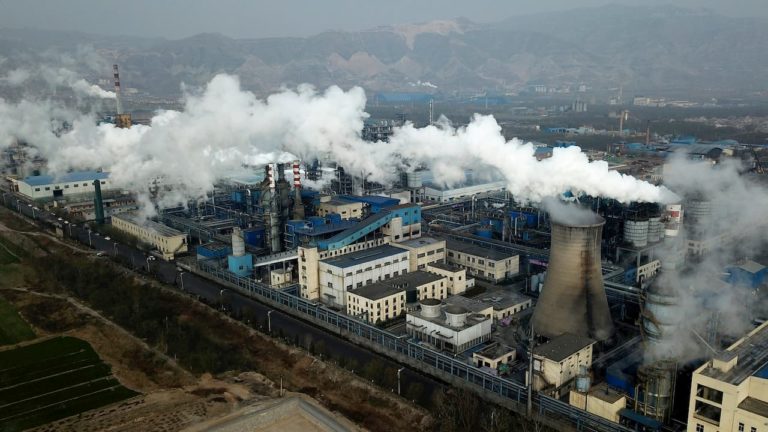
{"x": 573, "y": 297}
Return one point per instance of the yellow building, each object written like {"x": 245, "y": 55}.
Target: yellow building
{"x": 457, "y": 276}
{"x": 482, "y": 262}
{"x": 558, "y": 361}
{"x": 165, "y": 239}
{"x": 730, "y": 392}
{"x": 599, "y": 400}
{"x": 348, "y": 209}
{"x": 423, "y": 251}
{"x": 387, "y": 299}
{"x": 493, "y": 356}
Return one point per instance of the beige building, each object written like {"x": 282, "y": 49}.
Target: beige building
{"x": 493, "y": 356}
{"x": 423, "y": 251}
{"x": 506, "y": 303}
{"x": 730, "y": 392}
{"x": 346, "y": 208}
{"x": 167, "y": 240}
{"x": 457, "y": 276}
{"x": 482, "y": 262}
{"x": 381, "y": 301}
{"x": 557, "y": 362}
{"x": 600, "y": 400}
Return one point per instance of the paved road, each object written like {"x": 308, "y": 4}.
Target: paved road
{"x": 234, "y": 303}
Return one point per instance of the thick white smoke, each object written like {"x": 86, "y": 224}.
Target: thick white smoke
{"x": 222, "y": 128}
{"x": 55, "y": 77}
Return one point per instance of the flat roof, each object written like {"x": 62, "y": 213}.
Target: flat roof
{"x": 363, "y": 256}
{"x": 388, "y": 287}
{"x": 755, "y": 406}
{"x": 502, "y": 299}
{"x": 752, "y": 353}
{"x": 479, "y": 251}
{"x": 157, "y": 228}
{"x": 751, "y": 266}
{"x": 445, "y": 266}
{"x": 605, "y": 393}
{"x": 71, "y": 177}
{"x": 472, "y": 305}
{"x": 561, "y": 347}
{"x": 420, "y": 241}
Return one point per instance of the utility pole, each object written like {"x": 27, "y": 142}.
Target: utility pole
{"x": 398, "y": 380}
{"x": 269, "y": 321}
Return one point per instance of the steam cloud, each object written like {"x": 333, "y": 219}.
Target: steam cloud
{"x": 223, "y": 127}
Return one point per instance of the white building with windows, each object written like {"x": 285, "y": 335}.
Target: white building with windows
{"x": 484, "y": 263}
{"x": 423, "y": 251}
{"x": 340, "y": 274}
{"x": 449, "y": 327}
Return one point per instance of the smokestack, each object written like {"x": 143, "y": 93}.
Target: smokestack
{"x": 98, "y": 202}
{"x": 573, "y": 298}
{"x": 238, "y": 243}
{"x": 298, "y": 207}
{"x": 122, "y": 120}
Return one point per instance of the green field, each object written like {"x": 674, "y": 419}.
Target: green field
{"x": 53, "y": 379}
{"x": 13, "y": 329}
{"x": 7, "y": 252}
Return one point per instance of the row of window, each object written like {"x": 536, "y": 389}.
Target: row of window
{"x": 66, "y": 186}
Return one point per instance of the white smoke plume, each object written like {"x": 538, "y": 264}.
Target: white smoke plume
{"x": 55, "y": 77}
{"x": 222, "y": 128}
{"x": 735, "y": 230}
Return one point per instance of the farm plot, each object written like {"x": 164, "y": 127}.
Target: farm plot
{"x": 53, "y": 379}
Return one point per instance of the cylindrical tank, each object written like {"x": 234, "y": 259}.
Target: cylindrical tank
{"x": 698, "y": 209}
{"x": 573, "y": 299}
{"x": 655, "y": 229}
{"x": 455, "y": 316}
{"x": 636, "y": 232}
{"x": 661, "y": 315}
{"x": 656, "y": 383}
{"x": 430, "y": 308}
{"x": 413, "y": 179}
{"x": 583, "y": 380}
{"x": 238, "y": 244}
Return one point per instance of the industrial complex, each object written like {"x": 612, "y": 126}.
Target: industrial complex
{"x": 584, "y": 319}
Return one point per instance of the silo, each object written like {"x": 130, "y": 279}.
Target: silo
{"x": 661, "y": 315}
{"x": 636, "y": 232}
{"x": 673, "y": 218}
{"x": 656, "y": 389}
{"x": 238, "y": 243}
{"x": 413, "y": 179}
{"x": 698, "y": 209}
{"x": 573, "y": 297}
{"x": 655, "y": 229}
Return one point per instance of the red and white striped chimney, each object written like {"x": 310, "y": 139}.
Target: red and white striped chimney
{"x": 296, "y": 174}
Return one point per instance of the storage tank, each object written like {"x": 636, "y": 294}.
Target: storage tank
{"x": 430, "y": 308}
{"x": 573, "y": 298}
{"x": 455, "y": 316}
{"x": 636, "y": 232}
{"x": 238, "y": 243}
{"x": 656, "y": 389}
{"x": 655, "y": 229}
{"x": 413, "y": 179}
{"x": 698, "y": 209}
{"x": 661, "y": 315}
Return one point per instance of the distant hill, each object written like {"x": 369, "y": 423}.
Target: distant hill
{"x": 659, "y": 49}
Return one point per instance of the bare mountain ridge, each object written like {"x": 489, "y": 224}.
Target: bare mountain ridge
{"x": 646, "y": 49}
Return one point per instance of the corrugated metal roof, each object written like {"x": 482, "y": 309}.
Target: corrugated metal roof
{"x": 72, "y": 177}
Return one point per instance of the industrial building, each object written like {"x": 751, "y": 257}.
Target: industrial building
{"x": 560, "y": 360}
{"x": 494, "y": 356}
{"x": 438, "y": 193}
{"x": 457, "y": 277}
{"x": 484, "y": 263}
{"x": 730, "y": 392}
{"x": 339, "y": 275}
{"x": 168, "y": 241}
{"x": 387, "y": 299}
{"x": 448, "y": 327}
{"x": 74, "y": 184}
{"x": 423, "y": 251}
{"x": 600, "y": 400}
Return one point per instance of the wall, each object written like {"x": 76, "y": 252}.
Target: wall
{"x": 68, "y": 189}
{"x": 484, "y": 268}
{"x": 422, "y": 255}
{"x": 336, "y": 281}
{"x": 457, "y": 280}
{"x": 559, "y": 373}
{"x": 168, "y": 246}
{"x": 461, "y": 340}
{"x": 347, "y": 210}
{"x": 380, "y": 310}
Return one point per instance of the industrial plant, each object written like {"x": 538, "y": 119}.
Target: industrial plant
{"x": 598, "y": 308}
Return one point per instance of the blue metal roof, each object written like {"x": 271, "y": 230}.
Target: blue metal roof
{"x": 640, "y": 419}
{"x": 72, "y": 177}
{"x": 762, "y": 372}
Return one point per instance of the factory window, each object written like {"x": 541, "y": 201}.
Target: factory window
{"x": 330, "y": 284}
{"x": 57, "y": 188}
{"x": 66, "y": 186}
{"x": 395, "y": 273}
{"x": 753, "y": 429}
{"x": 103, "y": 182}
{"x": 348, "y": 273}
{"x": 77, "y": 185}
{"x": 450, "y": 254}
{"x": 47, "y": 188}
{"x": 85, "y": 184}
{"x": 37, "y": 189}
{"x": 491, "y": 264}
{"x": 378, "y": 265}
{"x": 359, "y": 285}
{"x": 368, "y": 269}
{"x": 441, "y": 250}
{"x": 421, "y": 255}
{"x": 431, "y": 252}
{"x": 707, "y": 412}
{"x": 741, "y": 427}
{"x": 710, "y": 394}
{"x": 387, "y": 263}
{"x": 359, "y": 271}
{"x": 368, "y": 281}
{"x": 699, "y": 427}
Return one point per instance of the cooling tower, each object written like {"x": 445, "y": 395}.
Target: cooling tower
{"x": 573, "y": 297}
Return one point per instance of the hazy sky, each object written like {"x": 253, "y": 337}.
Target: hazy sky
{"x": 258, "y": 18}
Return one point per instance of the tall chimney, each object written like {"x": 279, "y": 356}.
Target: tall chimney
{"x": 573, "y": 297}
{"x": 98, "y": 202}
{"x": 122, "y": 120}
{"x": 298, "y": 207}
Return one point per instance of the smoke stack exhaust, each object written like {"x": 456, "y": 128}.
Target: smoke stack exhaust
{"x": 573, "y": 298}
{"x": 122, "y": 120}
